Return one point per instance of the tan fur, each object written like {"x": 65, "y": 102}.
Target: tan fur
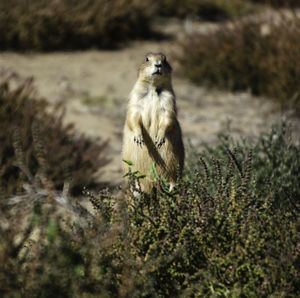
{"x": 152, "y": 132}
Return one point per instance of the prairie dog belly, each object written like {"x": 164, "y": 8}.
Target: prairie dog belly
{"x": 152, "y": 113}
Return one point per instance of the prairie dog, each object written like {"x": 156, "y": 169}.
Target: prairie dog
{"x": 152, "y": 132}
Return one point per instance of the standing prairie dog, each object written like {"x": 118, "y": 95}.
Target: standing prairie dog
{"x": 152, "y": 132}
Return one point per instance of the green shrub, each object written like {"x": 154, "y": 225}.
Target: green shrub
{"x": 70, "y": 24}
{"x": 42, "y": 141}
{"x": 219, "y": 233}
{"x": 252, "y": 54}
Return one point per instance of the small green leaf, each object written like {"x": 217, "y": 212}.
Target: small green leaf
{"x": 153, "y": 171}
{"x": 130, "y": 163}
{"x": 79, "y": 270}
{"x": 186, "y": 178}
{"x": 52, "y": 230}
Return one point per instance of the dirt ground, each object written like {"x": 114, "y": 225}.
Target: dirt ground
{"x": 94, "y": 86}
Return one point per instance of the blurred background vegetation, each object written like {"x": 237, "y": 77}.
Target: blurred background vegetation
{"x": 71, "y": 24}
{"x": 257, "y": 53}
{"x": 230, "y": 228}
{"x": 254, "y": 54}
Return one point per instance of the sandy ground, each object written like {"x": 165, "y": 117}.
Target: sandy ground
{"x": 94, "y": 86}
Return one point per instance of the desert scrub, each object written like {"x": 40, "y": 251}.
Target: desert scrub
{"x": 253, "y": 54}
{"x": 31, "y": 134}
{"x": 218, "y": 233}
{"x": 68, "y": 24}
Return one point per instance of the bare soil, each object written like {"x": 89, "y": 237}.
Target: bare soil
{"x": 94, "y": 86}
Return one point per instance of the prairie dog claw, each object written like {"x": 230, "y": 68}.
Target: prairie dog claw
{"x": 160, "y": 141}
{"x": 139, "y": 140}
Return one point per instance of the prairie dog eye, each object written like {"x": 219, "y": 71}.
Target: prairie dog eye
{"x": 147, "y": 59}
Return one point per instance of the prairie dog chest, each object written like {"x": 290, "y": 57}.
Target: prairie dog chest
{"x": 153, "y": 108}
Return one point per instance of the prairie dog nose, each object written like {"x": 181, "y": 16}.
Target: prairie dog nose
{"x": 158, "y": 63}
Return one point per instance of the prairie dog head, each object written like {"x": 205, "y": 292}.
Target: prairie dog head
{"x": 155, "y": 70}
